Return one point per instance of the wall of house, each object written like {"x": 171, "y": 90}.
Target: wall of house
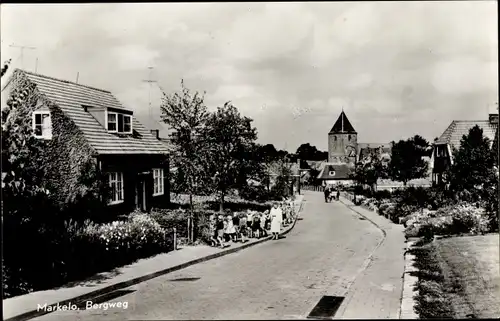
{"x": 337, "y": 144}
{"x": 131, "y": 166}
{"x": 66, "y": 157}
{"x": 63, "y": 157}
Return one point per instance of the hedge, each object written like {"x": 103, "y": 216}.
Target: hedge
{"x": 60, "y": 254}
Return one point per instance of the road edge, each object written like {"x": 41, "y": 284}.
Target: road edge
{"x": 367, "y": 261}
{"x": 407, "y": 309}
{"x": 125, "y": 284}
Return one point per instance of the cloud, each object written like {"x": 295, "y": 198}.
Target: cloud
{"x": 395, "y": 67}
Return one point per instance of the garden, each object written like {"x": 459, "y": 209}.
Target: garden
{"x": 456, "y": 228}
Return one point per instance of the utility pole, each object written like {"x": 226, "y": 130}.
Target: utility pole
{"x": 22, "y": 52}
{"x": 150, "y": 82}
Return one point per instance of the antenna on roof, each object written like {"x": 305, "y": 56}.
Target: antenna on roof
{"x": 150, "y": 82}
{"x": 77, "y": 76}
{"x": 22, "y": 52}
{"x": 36, "y": 65}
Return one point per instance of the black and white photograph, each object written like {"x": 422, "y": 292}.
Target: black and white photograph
{"x": 250, "y": 160}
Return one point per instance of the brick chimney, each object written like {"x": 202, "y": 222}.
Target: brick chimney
{"x": 493, "y": 118}
{"x": 155, "y": 133}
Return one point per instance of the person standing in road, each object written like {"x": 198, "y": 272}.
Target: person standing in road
{"x": 338, "y": 194}
{"x": 326, "y": 191}
{"x": 276, "y": 220}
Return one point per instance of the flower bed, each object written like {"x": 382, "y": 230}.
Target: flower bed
{"x": 78, "y": 251}
{"x": 449, "y": 220}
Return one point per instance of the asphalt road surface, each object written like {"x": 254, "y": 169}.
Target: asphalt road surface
{"x": 284, "y": 279}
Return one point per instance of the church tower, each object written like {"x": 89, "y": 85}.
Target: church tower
{"x": 342, "y": 142}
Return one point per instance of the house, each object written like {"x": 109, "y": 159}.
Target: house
{"x": 442, "y": 155}
{"x": 81, "y": 126}
{"x": 335, "y": 174}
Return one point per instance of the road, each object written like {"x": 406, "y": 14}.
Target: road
{"x": 325, "y": 252}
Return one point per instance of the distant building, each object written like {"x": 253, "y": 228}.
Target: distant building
{"x": 344, "y": 152}
{"x": 442, "y": 157}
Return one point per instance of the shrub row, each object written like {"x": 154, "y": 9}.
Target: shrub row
{"x": 74, "y": 251}
{"x": 449, "y": 220}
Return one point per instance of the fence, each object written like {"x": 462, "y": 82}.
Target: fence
{"x": 312, "y": 188}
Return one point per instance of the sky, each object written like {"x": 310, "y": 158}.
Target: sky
{"x": 396, "y": 68}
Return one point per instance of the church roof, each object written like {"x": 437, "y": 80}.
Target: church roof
{"x": 342, "y": 125}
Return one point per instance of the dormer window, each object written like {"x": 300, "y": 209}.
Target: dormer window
{"x": 42, "y": 125}
{"x": 119, "y": 123}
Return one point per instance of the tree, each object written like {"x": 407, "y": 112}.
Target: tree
{"x": 473, "y": 162}
{"x": 407, "y": 161}
{"x": 369, "y": 170}
{"x": 187, "y": 115}
{"x": 5, "y": 67}
{"x": 230, "y": 137}
{"x": 308, "y": 152}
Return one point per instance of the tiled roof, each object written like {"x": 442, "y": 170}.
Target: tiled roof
{"x": 341, "y": 171}
{"x": 70, "y": 97}
{"x": 342, "y": 125}
{"x": 317, "y": 165}
{"x": 454, "y": 133}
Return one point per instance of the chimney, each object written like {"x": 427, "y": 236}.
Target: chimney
{"x": 493, "y": 118}
{"x": 155, "y": 133}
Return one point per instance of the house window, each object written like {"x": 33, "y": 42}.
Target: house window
{"x": 42, "y": 125}
{"x": 158, "y": 181}
{"x": 331, "y": 173}
{"x": 335, "y": 138}
{"x": 349, "y": 137}
{"x": 119, "y": 123}
{"x": 116, "y": 184}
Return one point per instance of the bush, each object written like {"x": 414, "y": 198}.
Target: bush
{"x": 383, "y": 194}
{"x": 79, "y": 250}
{"x": 255, "y": 193}
{"x": 450, "y": 220}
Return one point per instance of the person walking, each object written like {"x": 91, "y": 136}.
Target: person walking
{"x": 243, "y": 227}
{"x": 263, "y": 231}
{"x": 220, "y": 231}
{"x": 276, "y": 220}
{"x": 338, "y": 194}
{"x": 326, "y": 191}
{"x": 230, "y": 230}
{"x": 236, "y": 224}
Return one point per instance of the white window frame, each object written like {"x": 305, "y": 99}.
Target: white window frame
{"x": 115, "y": 122}
{"x": 116, "y": 130}
{"x": 158, "y": 186}
{"x": 115, "y": 197}
{"x": 46, "y": 132}
{"x": 130, "y": 123}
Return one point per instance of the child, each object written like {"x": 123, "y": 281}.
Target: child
{"x": 236, "y": 224}
{"x": 230, "y": 231}
{"x": 212, "y": 230}
{"x": 262, "y": 230}
{"x": 220, "y": 231}
{"x": 256, "y": 226}
{"x": 243, "y": 227}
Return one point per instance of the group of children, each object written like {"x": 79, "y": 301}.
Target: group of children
{"x": 239, "y": 227}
